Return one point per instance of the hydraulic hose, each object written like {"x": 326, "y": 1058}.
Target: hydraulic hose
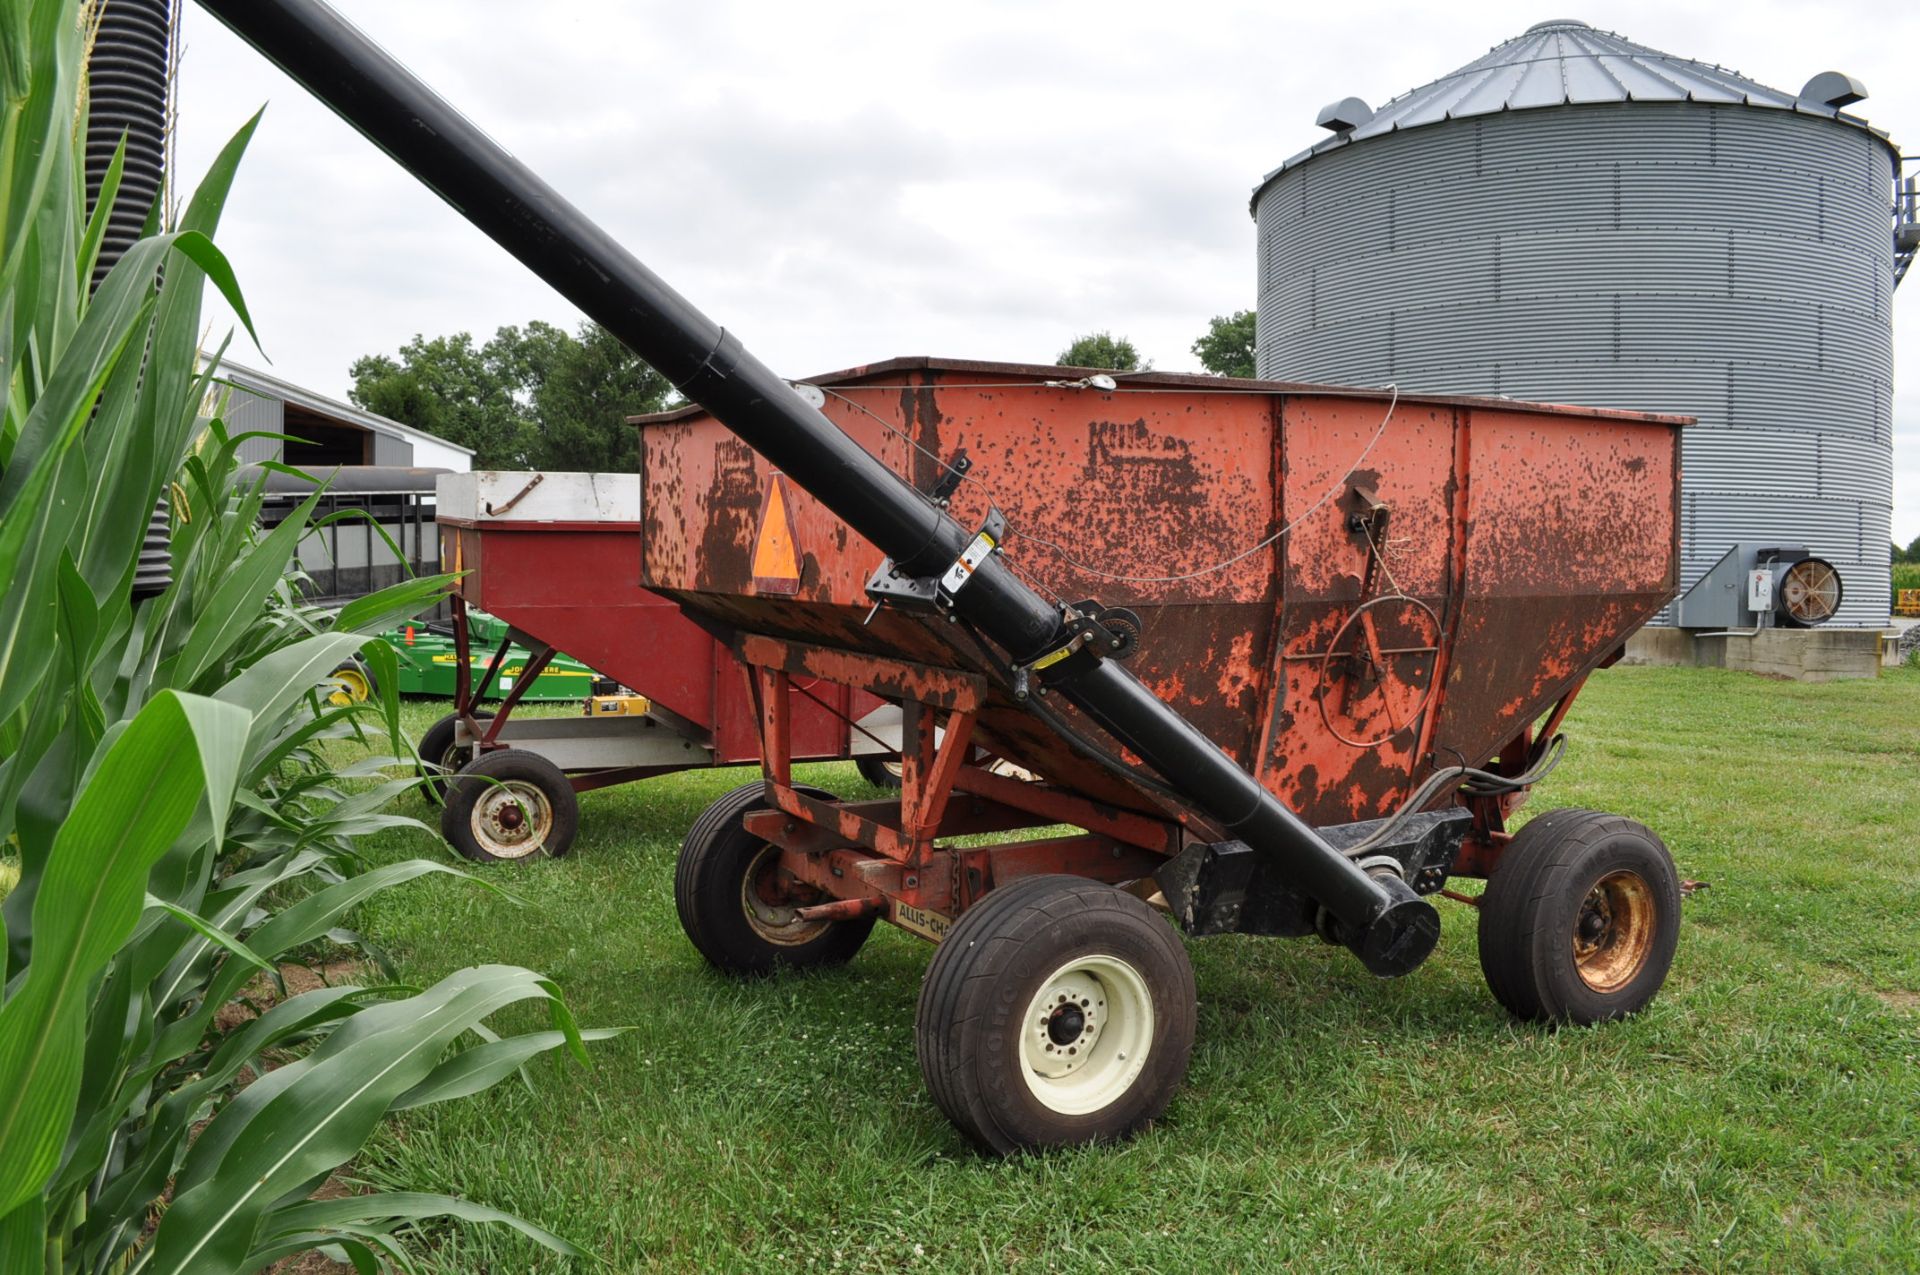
{"x": 1383, "y": 921}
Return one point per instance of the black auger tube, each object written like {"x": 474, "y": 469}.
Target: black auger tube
{"x": 1384, "y": 922}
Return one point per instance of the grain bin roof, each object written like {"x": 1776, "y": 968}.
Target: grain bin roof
{"x": 1560, "y": 63}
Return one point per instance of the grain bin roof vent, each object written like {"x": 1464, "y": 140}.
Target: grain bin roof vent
{"x": 1833, "y": 89}
{"x": 1344, "y": 116}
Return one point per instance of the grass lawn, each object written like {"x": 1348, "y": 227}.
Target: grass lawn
{"x": 1763, "y": 1114}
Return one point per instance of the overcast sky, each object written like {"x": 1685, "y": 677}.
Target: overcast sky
{"x": 843, "y": 182}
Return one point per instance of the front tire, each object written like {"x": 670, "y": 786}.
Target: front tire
{"x": 735, "y": 905}
{"x": 1580, "y": 920}
{"x": 1059, "y": 1011}
{"x": 510, "y": 805}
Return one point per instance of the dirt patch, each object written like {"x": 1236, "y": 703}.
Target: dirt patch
{"x": 260, "y": 995}
{"x": 314, "y": 1263}
{"x": 1905, "y": 1002}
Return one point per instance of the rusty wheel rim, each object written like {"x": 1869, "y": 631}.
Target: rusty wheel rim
{"x": 767, "y": 915}
{"x": 511, "y": 820}
{"x": 1613, "y": 931}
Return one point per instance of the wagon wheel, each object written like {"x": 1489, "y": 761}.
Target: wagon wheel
{"x": 738, "y": 907}
{"x": 1580, "y": 921}
{"x": 1058, "y": 1011}
{"x": 509, "y": 805}
{"x": 441, "y": 756}
{"x": 1366, "y": 678}
{"x": 1811, "y": 592}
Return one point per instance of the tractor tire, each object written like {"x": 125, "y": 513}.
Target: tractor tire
{"x": 720, "y": 888}
{"x": 1058, "y": 1011}
{"x": 352, "y": 682}
{"x": 879, "y": 770}
{"x": 437, "y": 749}
{"x": 1580, "y": 920}
{"x": 510, "y": 805}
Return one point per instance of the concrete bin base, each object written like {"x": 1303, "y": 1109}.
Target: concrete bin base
{"x": 1805, "y": 655}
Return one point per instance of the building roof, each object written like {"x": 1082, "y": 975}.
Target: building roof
{"x": 1562, "y": 62}
{"x": 267, "y": 386}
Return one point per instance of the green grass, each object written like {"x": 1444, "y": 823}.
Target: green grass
{"x": 1763, "y": 1114}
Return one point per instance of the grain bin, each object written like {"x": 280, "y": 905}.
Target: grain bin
{"x": 1577, "y": 218}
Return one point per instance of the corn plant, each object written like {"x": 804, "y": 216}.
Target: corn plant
{"x": 175, "y": 827}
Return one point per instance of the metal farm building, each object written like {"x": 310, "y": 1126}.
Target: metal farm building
{"x": 1580, "y": 219}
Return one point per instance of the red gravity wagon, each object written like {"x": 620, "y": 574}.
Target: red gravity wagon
{"x": 1282, "y": 659}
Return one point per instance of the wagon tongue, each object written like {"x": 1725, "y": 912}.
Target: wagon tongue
{"x": 1389, "y": 927}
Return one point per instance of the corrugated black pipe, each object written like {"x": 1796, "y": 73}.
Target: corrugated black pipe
{"x": 128, "y": 82}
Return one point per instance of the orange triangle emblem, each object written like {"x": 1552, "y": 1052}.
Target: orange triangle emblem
{"x": 776, "y": 556}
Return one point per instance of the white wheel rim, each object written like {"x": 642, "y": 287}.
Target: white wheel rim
{"x": 512, "y": 819}
{"x": 1086, "y": 1034}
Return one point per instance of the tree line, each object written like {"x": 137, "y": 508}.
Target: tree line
{"x": 1224, "y": 349}
{"x": 540, "y": 397}
{"x": 533, "y": 397}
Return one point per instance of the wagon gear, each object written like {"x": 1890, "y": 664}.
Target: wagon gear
{"x": 508, "y": 805}
{"x": 1305, "y": 681}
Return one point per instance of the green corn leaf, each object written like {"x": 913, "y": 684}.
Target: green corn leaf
{"x": 236, "y": 601}
{"x": 23, "y": 1239}
{"x": 302, "y": 922}
{"x": 102, "y": 209}
{"x": 75, "y": 379}
{"x": 486, "y": 1064}
{"x": 153, "y": 777}
{"x": 344, "y": 1250}
{"x": 403, "y": 1206}
{"x": 384, "y": 608}
{"x": 41, "y": 62}
{"x": 312, "y": 1115}
{"x": 213, "y": 934}
{"x": 145, "y": 1175}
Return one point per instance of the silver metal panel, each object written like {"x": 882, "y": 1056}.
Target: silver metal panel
{"x": 600, "y": 743}
{"x": 505, "y": 495}
{"x": 247, "y": 413}
{"x": 391, "y": 450}
{"x": 1729, "y": 263}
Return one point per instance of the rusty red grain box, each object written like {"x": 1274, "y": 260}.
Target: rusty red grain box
{"x": 1406, "y": 576}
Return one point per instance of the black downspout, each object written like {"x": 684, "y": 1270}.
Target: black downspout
{"x": 128, "y": 84}
{"x": 1389, "y": 927}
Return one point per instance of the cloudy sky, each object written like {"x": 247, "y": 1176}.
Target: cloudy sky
{"x": 840, "y": 182}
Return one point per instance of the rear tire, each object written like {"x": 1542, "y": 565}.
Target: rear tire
{"x": 438, "y": 749}
{"x": 721, "y": 887}
{"x": 879, "y": 770}
{"x": 510, "y": 805}
{"x": 1057, "y": 1012}
{"x": 1580, "y": 920}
